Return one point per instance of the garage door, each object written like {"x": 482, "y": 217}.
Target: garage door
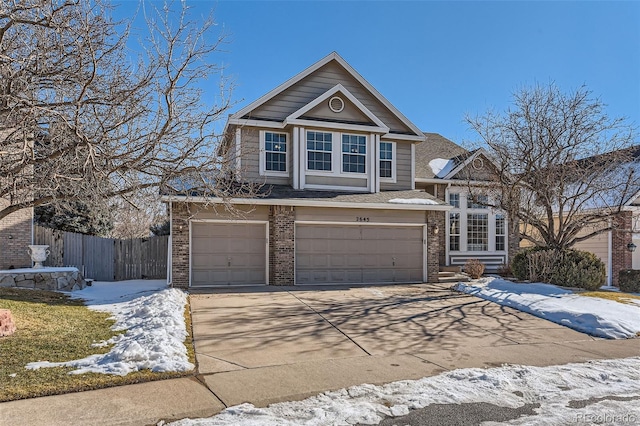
{"x": 224, "y": 254}
{"x": 330, "y": 254}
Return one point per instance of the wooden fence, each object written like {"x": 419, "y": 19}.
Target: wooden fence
{"x": 106, "y": 259}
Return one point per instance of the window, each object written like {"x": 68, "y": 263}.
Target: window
{"x": 354, "y": 153}
{"x": 275, "y": 151}
{"x": 454, "y": 231}
{"x": 454, "y": 200}
{"x": 319, "y": 148}
{"x": 500, "y": 232}
{"x": 386, "y": 160}
{"x": 477, "y": 232}
{"x": 482, "y": 201}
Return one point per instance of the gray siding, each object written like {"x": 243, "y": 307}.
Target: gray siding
{"x": 250, "y": 158}
{"x": 403, "y": 169}
{"x": 349, "y": 113}
{"x": 317, "y": 83}
{"x": 351, "y": 215}
{"x": 335, "y": 181}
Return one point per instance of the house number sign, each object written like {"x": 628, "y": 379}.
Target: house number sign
{"x": 362, "y": 219}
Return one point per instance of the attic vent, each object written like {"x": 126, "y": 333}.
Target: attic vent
{"x": 478, "y": 163}
{"x": 336, "y": 104}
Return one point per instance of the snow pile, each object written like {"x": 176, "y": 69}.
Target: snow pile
{"x": 154, "y": 324}
{"x": 509, "y": 386}
{"x": 591, "y": 315}
{"x": 420, "y": 201}
{"x": 441, "y": 166}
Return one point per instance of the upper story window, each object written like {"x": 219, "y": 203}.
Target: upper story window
{"x": 274, "y": 153}
{"x": 386, "y": 160}
{"x": 319, "y": 149}
{"x": 480, "y": 201}
{"x": 275, "y": 149}
{"x": 354, "y": 153}
{"x": 454, "y": 200}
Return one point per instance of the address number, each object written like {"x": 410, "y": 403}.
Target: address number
{"x": 362, "y": 219}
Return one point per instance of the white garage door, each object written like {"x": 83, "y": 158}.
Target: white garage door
{"x": 344, "y": 254}
{"x": 224, "y": 254}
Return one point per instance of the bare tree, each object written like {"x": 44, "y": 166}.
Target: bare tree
{"x": 564, "y": 168}
{"x": 82, "y": 115}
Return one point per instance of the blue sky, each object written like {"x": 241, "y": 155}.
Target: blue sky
{"x": 437, "y": 61}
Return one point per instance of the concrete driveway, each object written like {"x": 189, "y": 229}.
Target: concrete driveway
{"x": 264, "y": 345}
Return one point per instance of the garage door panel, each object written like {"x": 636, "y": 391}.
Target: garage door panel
{"x": 228, "y": 254}
{"x": 358, "y": 254}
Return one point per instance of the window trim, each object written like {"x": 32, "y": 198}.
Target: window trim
{"x": 263, "y": 155}
{"x": 393, "y": 178}
{"x": 464, "y": 211}
{"x": 336, "y": 153}
{"x": 342, "y": 154}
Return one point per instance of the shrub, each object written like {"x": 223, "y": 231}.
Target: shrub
{"x": 568, "y": 268}
{"x": 520, "y": 263}
{"x": 504, "y": 270}
{"x": 474, "y": 268}
{"x": 629, "y": 280}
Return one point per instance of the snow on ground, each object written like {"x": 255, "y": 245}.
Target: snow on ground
{"x": 413, "y": 201}
{"x": 153, "y": 317}
{"x": 591, "y": 315}
{"x": 554, "y": 388}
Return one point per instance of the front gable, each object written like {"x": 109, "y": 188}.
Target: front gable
{"x": 312, "y": 83}
{"x": 337, "y": 105}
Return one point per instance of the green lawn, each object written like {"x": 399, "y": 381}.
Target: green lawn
{"x": 53, "y": 327}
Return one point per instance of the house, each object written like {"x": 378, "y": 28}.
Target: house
{"x": 614, "y": 208}
{"x": 346, "y": 195}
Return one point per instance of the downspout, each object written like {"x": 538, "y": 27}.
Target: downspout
{"x": 170, "y": 246}
{"x": 610, "y": 256}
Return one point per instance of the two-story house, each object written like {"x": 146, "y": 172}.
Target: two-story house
{"x": 339, "y": 203}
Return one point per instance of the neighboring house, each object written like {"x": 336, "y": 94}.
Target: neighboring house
{"x": 343, "y": 199}
{"x": 16, "y": 233}
{"x": 614, "y": 247}
{"x": 474, "y": 231}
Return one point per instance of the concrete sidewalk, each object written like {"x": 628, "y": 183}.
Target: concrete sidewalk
{"x": 269, "y": 345}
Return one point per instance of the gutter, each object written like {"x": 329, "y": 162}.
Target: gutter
{"x": 305, "y": 203}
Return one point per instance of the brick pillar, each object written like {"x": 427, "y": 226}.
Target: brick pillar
{"x": 621, "y": 257}
{"x": 281, "y": 245}
{"x": 435, "y": 245}
{"x": 180, "y": 245}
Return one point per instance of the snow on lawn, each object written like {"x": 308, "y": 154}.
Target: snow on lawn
{"x": 591, "y": 315}
{"x": 153, "y": 317}
{"x": 554, "y": 388}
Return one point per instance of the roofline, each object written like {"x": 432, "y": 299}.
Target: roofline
{"x": 456, "y": 181}
{"x": 466, "y": 162}
{"x": 332, "y": 56}
{"x": 305, "y": 203}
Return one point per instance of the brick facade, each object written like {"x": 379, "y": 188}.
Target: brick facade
{"x": 621, "y": 257}
{"x": 435, "y": 249}
{"x": 16, "y": 233}
{"x": 180, "y": 245}
{"x": 281, "y": 245}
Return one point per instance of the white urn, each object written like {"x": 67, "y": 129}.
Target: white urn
{"x": 38, "y": 254}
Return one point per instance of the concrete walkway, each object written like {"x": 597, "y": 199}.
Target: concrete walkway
{"x": 264, "y": 345}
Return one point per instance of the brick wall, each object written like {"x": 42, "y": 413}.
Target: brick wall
{"x": 621, "y": 257}
{"x": 15, "y": 236}
{"x": 281, "y": 245}
{"x": 435, "y": 247}
{"x": 180, "y": 245}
